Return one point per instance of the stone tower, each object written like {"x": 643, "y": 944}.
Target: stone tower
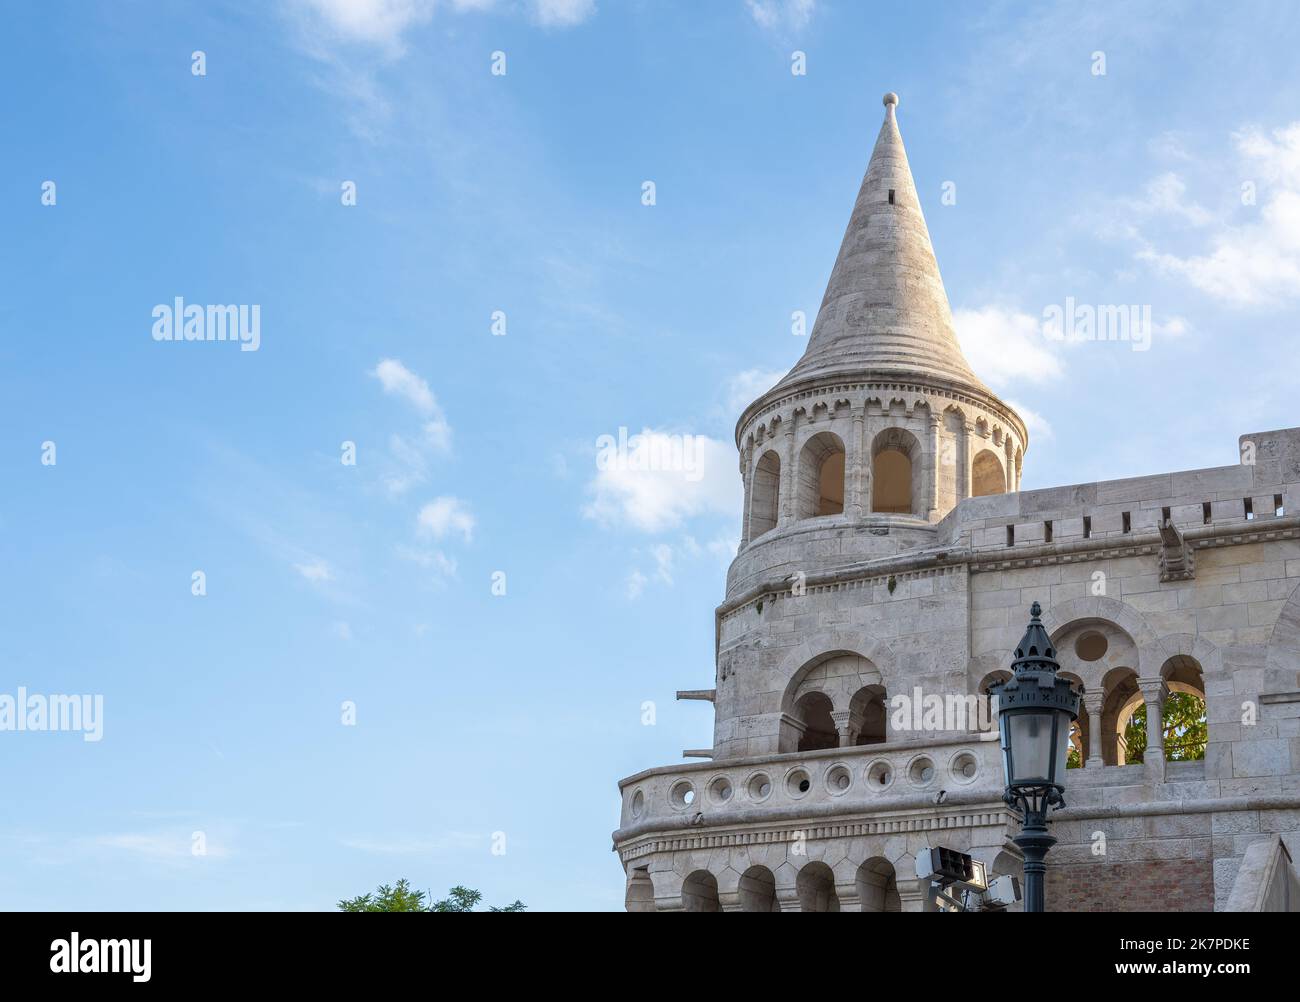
{"x": 887, "y": 561}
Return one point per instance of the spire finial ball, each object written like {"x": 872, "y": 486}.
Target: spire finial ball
{"x": 891, "y": 98}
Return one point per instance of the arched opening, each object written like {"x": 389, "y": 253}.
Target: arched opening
{"x": 765, "y": 495}
{"x": 868, "y": 715}
{"x": 640, "y": 895}
{"x": 986, "y": 474}
{"x": 700, "y": 892}
{"x": 821, "y": 476}
{"x": 1185, "y": 730}
{"x": 878, "y": 886}
{"x": 895, "y": 467}
{"x": 758, "y": 890}
{"x": 814, "y": 711}
{"x": 1077, "y": 750}
{"x": 816, "y": 887}
{"x": 1122, "y": 697}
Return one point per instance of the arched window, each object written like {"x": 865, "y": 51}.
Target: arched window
{"x": 878, "y": 886}
{"x": 821, "y": 476}
{"x": 1184, "y": 723}
{"x": 986, "y": 475}
{"x": 814, "y": 711}
{"x": 640, "y": 896}
{"x": 895, "y": 469}
{"x": 816, "y": 887}
{"x": 765, "y": 494}
{"x": 867, "y": 711}
{"x": 700, "y": 892}
{"x": 758, "y": 890}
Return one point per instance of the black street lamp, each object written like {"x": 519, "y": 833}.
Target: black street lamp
{"x": 1035, "y": 711}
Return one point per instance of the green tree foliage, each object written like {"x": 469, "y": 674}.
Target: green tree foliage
{"x": 1184, "y": 725}
{"x": 400, "y": 898}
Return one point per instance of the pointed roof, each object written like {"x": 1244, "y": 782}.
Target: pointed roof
{"x": 885, "y": 311}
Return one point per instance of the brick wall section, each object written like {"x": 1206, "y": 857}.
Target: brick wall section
{"x": 1157, "y": 885}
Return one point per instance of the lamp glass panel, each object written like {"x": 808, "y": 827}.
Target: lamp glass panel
{"x": 1062, "y": 745}
{"x": 1031, "y": 745}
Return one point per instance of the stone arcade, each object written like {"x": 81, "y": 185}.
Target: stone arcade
{"x": 886, "y": 546}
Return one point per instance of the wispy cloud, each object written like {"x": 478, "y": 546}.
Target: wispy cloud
{"x": 661, "y": 479}
{"x": 316, "y": 571}
{"x": 446, "y": 515}
{"x": 563, "y": 13}
{"x": 1006, "y": 345}
{"x": 417, "y": 845}
{"x": 410, "y": 454}
{"x": 781, "y": 16}
{"x": 1253, "y": 257}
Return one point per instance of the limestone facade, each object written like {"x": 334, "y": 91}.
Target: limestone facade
{"x": 887, "y": 551}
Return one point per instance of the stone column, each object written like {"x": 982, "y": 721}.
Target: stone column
{"x": 786, "y": 515}
{"x": 847, "y": 725}
{"x": 787, "y": 899}
{"x": 848, "y": 896}
{"x": 1010, "y": 462}
{"x": 746, "y": 456}
{"x": 964, "y": 485}
{"x": 932, "y": 501}
{"x": 858, "y": 461}
{"x": 1153, "y": 694}
{"x": 1092, "y": 703}
{"x": 915, "y": 896}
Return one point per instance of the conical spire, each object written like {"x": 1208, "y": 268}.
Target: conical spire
{"x": 885, "y": 310}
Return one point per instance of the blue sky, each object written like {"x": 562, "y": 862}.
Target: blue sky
{"x": 522, "y": 193}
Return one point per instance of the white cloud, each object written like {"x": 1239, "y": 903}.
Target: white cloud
{"x": 410, "y": 454}
{"x": 563, "y": 13}
{"x": 342, "y": 630}
{"x": 1167, "y": 195}
{"x": 663, "y": 558}
{"x": 781, "y": 15}
{"x": 316, "y": 571}
{"x": 450, "y": 842}
{"x": 1004, "y": 345}
{"x": 445, "y": 515}
{"x": 661, "y": 479}
{"x": 635, "y": 583}
{"x": 1255, "y": 262}
{"x": 377, "y": 22}
{"x": 1040, "y": 430}
{"x": 746, "y": 387}
{"x": 172, "y": 847}
{"x": 434, "y": 560}
{"x": 400, "y": 381}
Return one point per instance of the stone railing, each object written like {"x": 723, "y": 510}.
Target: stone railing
{"x": 911, "y": 775}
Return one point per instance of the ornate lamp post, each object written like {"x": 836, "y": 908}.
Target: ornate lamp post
{"x": 1035, "y": 711}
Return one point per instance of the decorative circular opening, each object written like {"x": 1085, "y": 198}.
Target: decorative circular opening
{"x": 682, "y": 794}
{"x": 964, "y": 767}
{"x": 720, "y": 790}
{"x": 1091, "y": 646}
{"x": 921, "y": 771}
{"x": 797, "y": 783}
{"x": 838, "y": 780}
{"x": 638, "y": 804}
{"x": 759, "y": 786}
{"x": 879, "y": 775}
